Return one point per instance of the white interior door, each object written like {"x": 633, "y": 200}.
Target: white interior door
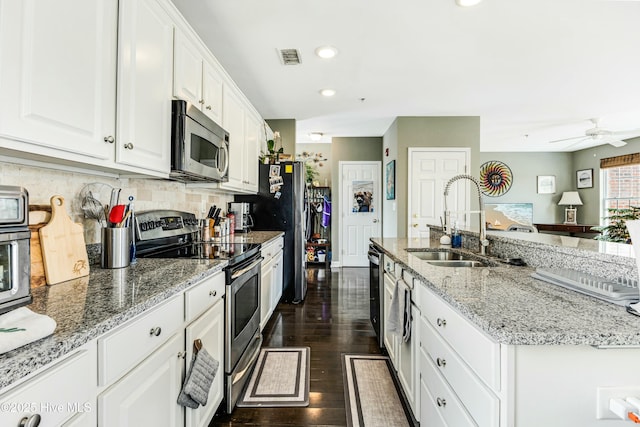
{"x": 361, "y": 210}
{"x": 429, "y": 171}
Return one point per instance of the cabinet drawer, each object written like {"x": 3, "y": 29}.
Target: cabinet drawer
{"x": 124, "y": 348}
{"x": 481, "y": 403}
{"x": 479, "y": 351}
{"x": 56, "y": 394}
{"x": 444, "y": 399}
{"x": 203, "y": 295}
{"x": 271, "y": 249}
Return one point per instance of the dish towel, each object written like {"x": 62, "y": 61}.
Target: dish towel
{"x": 197, "y": 383}
{"x": 406, "y": 323}
{"x": 22, "y": 326}
{"x": 398, "y": 307}
{"x": 326, "y": 212}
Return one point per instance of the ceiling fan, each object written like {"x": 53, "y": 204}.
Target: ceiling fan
{"x": 601, "y": 136}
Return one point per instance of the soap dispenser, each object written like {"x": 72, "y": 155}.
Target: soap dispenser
{"x": 456, "y": 237}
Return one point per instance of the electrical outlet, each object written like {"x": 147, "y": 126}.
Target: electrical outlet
{"x": 604, "y": 394}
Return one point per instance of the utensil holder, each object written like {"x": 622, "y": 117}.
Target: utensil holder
{"x": 116, "y": 247}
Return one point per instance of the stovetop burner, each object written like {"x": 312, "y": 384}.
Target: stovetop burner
{"x": 174, "y": 234}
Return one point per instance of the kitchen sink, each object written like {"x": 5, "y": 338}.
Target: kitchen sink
{"x": 448, "y": 258}
{"x": 458, "y": 263}
{"x": 438, "y": 255}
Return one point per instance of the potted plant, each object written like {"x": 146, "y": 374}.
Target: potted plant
{"x": 271, "y": 156}
{"x": 617, "y": 231}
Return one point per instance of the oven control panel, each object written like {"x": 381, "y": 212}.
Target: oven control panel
{"x": 159, "y": 224}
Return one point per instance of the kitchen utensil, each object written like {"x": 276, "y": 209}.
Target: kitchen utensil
{"x": 132, "y": 222}
{"x": 115, "y": 197}
{"x": 124, "y": 219}
{"x": 116, "y": 215}
{"x": 92, "y": 207}
{"x": 64, "y": 253}
{"x": 116, "y": 247}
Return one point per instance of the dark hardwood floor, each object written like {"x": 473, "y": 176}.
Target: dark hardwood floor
{"x": 332, "y": 320}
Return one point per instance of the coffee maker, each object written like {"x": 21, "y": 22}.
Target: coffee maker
{"x": 241, "y": 210}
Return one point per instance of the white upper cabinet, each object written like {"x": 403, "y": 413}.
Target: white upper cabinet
{"x": 196, "y": 78}
{"x": 233, "y": 122}
{"x": 57, "y": 78}
{"x": 145, "y": 70}
{"x": 254, "y": 132}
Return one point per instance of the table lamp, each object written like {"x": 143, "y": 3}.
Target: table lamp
{"x": 570, "y": 198}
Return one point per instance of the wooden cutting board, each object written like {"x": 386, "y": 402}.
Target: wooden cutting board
{"x": 39, "y": 216}
{"x": 64, "y": 253}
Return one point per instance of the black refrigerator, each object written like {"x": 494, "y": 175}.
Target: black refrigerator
{"x": 280, "y": 205}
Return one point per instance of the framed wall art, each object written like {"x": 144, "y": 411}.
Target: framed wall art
{"x": 584, "y": 178}
{"x": 546, "y": 184}
{"x": 391, "y": 180}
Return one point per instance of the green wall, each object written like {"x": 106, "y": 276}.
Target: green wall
{"x": 408, "y": 132}
{"x": 525, "y": 168}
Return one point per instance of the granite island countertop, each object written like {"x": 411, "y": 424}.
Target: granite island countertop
{"x": 512, "y": 307}
{"x": 88, "y": 307}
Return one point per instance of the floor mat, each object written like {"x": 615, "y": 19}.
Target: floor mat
{"x": 280, "y": 378}
{"x": 370, "y": 394}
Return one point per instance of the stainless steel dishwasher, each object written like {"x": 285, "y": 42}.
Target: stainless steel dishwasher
{"x": 376, "y": 290}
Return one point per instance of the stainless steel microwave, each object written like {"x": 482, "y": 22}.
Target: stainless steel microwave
{"x": 199, "y": 146}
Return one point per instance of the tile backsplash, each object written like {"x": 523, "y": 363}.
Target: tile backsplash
{"x": 43, "y": 183}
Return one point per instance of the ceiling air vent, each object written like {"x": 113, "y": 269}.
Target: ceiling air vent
{"x": 289, "y": 56}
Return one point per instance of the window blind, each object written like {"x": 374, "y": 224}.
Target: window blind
{"x": 617, "y": 161}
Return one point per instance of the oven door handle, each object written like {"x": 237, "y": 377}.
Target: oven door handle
{"x": 240, "y": 272}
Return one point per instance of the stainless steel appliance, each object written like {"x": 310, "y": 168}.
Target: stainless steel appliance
{"x": 281, "y": 205}
{"x": 175, "y": 234}
{"x": 199, "y": 146}
{"x": 376, "y": 292}
{"x": 15, "y": 259}
{"x": 243, "y": 220}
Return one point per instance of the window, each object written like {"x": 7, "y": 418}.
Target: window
{"x": 621, "y": 179}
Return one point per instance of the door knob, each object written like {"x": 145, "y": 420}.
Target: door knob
{"x": 415, "y": 225}
{"x": 128, "y": 146}
{"x": 375, "y": 220}
{"x": 109, "y": 139}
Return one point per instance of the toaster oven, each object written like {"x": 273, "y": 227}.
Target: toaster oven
{"x": 15, "y": 259}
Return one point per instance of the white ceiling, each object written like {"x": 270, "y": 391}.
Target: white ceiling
{"x": 540, "y": 68}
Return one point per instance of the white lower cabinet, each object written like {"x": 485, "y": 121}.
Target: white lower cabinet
{"x": 403, "y": 354}
{"x": 270, "y": 279}
{"x": 64, "y": 392}
{"x": 147, "y": 396}
{"x": 209, "y": 329}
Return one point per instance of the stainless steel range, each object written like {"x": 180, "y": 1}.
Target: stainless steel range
{"x": 175, "y": 234}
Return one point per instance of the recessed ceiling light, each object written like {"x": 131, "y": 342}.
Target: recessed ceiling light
{"x": 326, "y": 52}
{"x": 327, "y": 92}
{"x": 315, "y": 136}
{"x": 467, "y": 3}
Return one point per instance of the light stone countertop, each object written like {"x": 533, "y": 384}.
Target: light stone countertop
{"x": 88, "y": 307}
{"x": 514, "y": 308}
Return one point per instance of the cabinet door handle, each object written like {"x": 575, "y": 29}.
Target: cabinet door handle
{"x": 441, "y": 362}
{"x": 155, "y": 331}
{"x": 110, "y": 139}
{"x": 415, "y": 225}
{"x": 32, "y": 421}
{"x": 213, "y": 293}
{"x": 128, "y": 146}
{"x": 441, "y": 322}
{"x": 441, "y": 402}
{"x": 182, "y": 354}
{"x": 375, "y": 220}
{"x": 209, "y": 107}
{"x": 201, "y": 101}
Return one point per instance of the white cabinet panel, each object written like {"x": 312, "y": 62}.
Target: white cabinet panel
{"x": 121, "y": 349}
{"x": 57, "y": 394}
{"x": 212, "y": 87}
{"x": 187, "y": 69}
{"x": 147, "y": 396}
{"x": 203, "y": 295}
{"x": 145, "y": 70}
{"x": 233, "y": 122}
{"x": 57, "y": 77}
{"x": 209, "y": 328}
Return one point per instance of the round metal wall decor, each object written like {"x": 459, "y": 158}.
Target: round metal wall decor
{"x": 495, "y": 178}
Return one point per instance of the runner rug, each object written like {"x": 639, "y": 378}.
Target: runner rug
{"x": 370, "y": 394}
{"x": 280, "y": 378}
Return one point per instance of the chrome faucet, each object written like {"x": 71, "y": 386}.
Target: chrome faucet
{"x": 481, "y": 217}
